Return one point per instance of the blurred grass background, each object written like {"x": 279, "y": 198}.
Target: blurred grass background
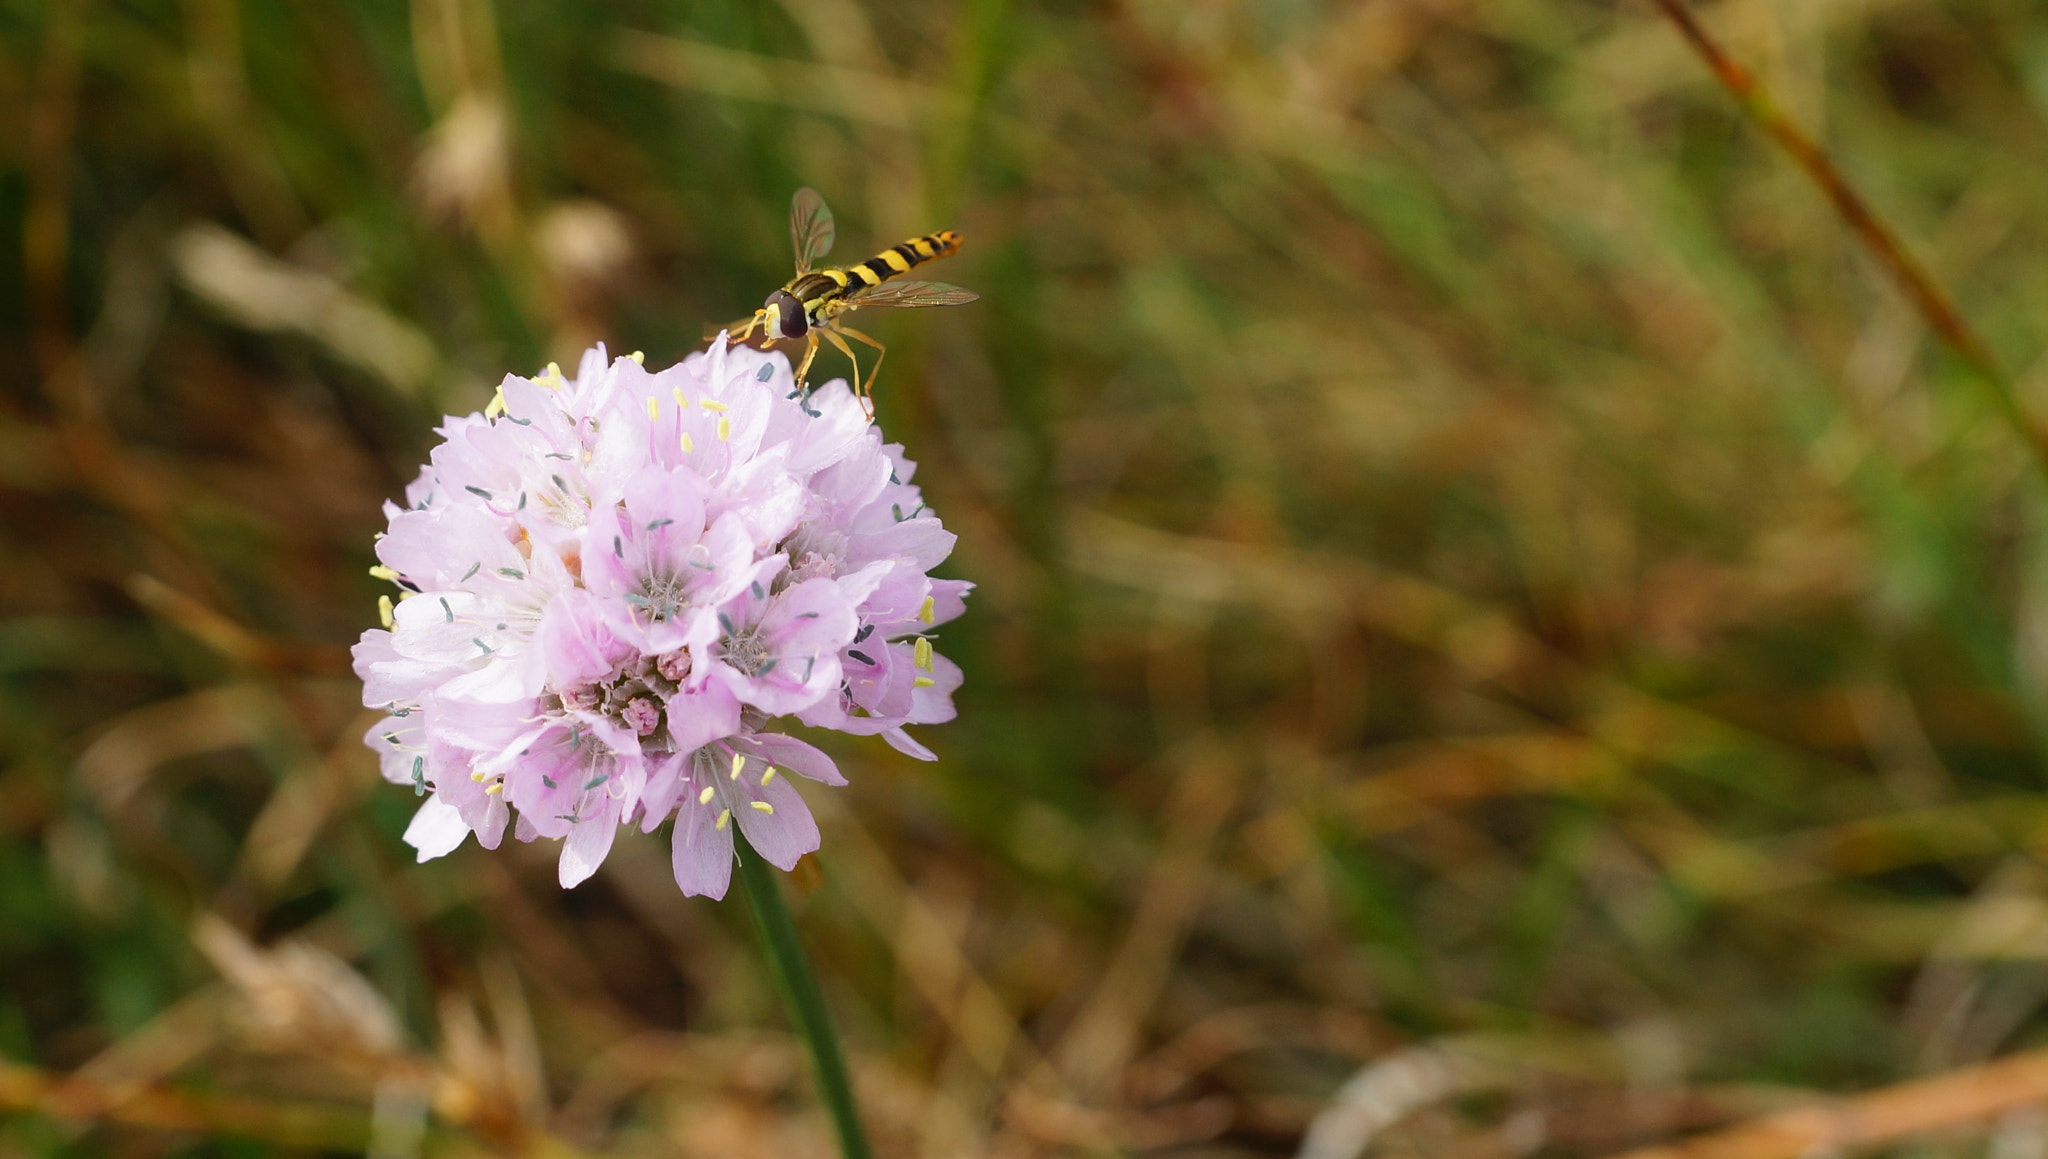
{"x": 1485, "y": 586}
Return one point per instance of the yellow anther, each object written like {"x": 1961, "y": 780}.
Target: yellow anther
{"x": 768, "y": 776}
{"x": 682, "y": 400}
{"x": 384, "y": 610}
{"x": 704, "y": 798}
{"x": 653, "y": 408}
{"x": 639, "y": 356}
{"x": 921, "y": 653}
{"x": 724, "y": 816}
{"x": 762, "y": 807}
{"x": 496, "y": 406}
{"x": 477, "y": 777}
{"x": 724, "y": 429}
{"x": 739, "y": 761}
{"x": 383, "y": 573}
{"x": 688, "y": 444}
{"x": 494, "y": 788}
{"x": 552, "y": 377}
{"x": 923, "y": 682}
{"x": 714, "y": 404}
{"x": 928, "y": 611}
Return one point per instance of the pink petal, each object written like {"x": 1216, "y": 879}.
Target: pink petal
{"x": 666, "y": 509}
{"x": 729, "y": 549}
{"x": 574, "y": 643}
{"x": 833, "y": 432}
{"x": 793, "y": 686}
{"x": 783, "y": 836}
{"x": 398, "y": 743}
{"x": 666, "y": 780}
{"x": 702, "y": 856}
{"x": 793, "y": 755}
{"x": 857, "y": 587}
{"x": 808, "y": 620}
{"x": 949, "y": 599}
{"x": 901, "y": 742}
{"x": 899, "y": 462}
{"x": 696, "y": 718}
{"x": 492, "y": 831}
{"x": 934, "y": 704}
{"x": 924, "y": 540}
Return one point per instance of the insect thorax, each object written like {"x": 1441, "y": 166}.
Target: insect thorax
{"x": 812, "y": 288}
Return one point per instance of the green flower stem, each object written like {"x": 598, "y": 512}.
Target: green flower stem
{"x": 799, "y": 989}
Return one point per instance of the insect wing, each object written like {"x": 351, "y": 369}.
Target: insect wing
{"x": 910, "y": 295}
{"x": 811, "y": 230}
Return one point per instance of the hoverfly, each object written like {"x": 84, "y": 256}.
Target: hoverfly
{"x": 809, "y": 305}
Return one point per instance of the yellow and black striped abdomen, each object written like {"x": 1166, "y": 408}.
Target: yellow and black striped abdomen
{"x": 902, "y": 257}
{"x": 821, "y": 289}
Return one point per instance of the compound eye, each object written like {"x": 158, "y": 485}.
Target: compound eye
{"x": 791, "y": 317}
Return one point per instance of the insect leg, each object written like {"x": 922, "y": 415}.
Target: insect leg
{"x": 832, "y": 335}
{"x": 867, "y": 391}
{"x": 804, "y": 367}
{"x": 756, "y": 319}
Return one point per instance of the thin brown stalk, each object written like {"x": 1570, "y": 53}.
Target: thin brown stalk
{"x": 1876, "y": 1118}
{"x": 1912, "y": 278}
{"x": 74, "y": 1098}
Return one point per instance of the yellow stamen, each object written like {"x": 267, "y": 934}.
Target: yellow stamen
{"x": 921, "y": 654}
{"x": 762, "y": 806}
{"x": 494, "y": 788}
{"x": 688, "y": 444}
{"x": 383, "y": 573}
{"x": 639, "y": 356}
{"x": 714, "y": 404}
{"x": 724, "y": 429}
{"x": 682, "y": 400}
{"x": 704, "y": 798}
{"x": 384, "y": 610}
{"x": 496, "y": 406}
{"x": 739, "y": 761}
{"x": 928, "y": 610}
{"x": 552, "y": 377}
{"x": 768, "y": 776}
{"x": 477, "y": 777}
{"x": 923, "y": 682}
{"x": 723, "y": 817}
{"x": 653, "y": 409}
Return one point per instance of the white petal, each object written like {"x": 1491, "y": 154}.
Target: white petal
{"x": 586, "y": 846}
{"x": 436, "y": 829}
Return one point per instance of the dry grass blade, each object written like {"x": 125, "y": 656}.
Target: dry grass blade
{"x": 1912, "y": 277}
{"x": 826, "y": 88}
{"x": 1382, "y": 1094}
{"x": 266, "y": 293}
{"x": 28, "y": 1090}
{"x": 1964, "y": 1097}
{"x": 1105, "y": 1035}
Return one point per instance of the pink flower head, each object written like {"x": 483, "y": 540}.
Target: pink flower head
{"x": 614, "y": 585}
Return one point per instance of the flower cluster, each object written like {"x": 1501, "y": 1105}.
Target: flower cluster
{"x": 612, "y": 585}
